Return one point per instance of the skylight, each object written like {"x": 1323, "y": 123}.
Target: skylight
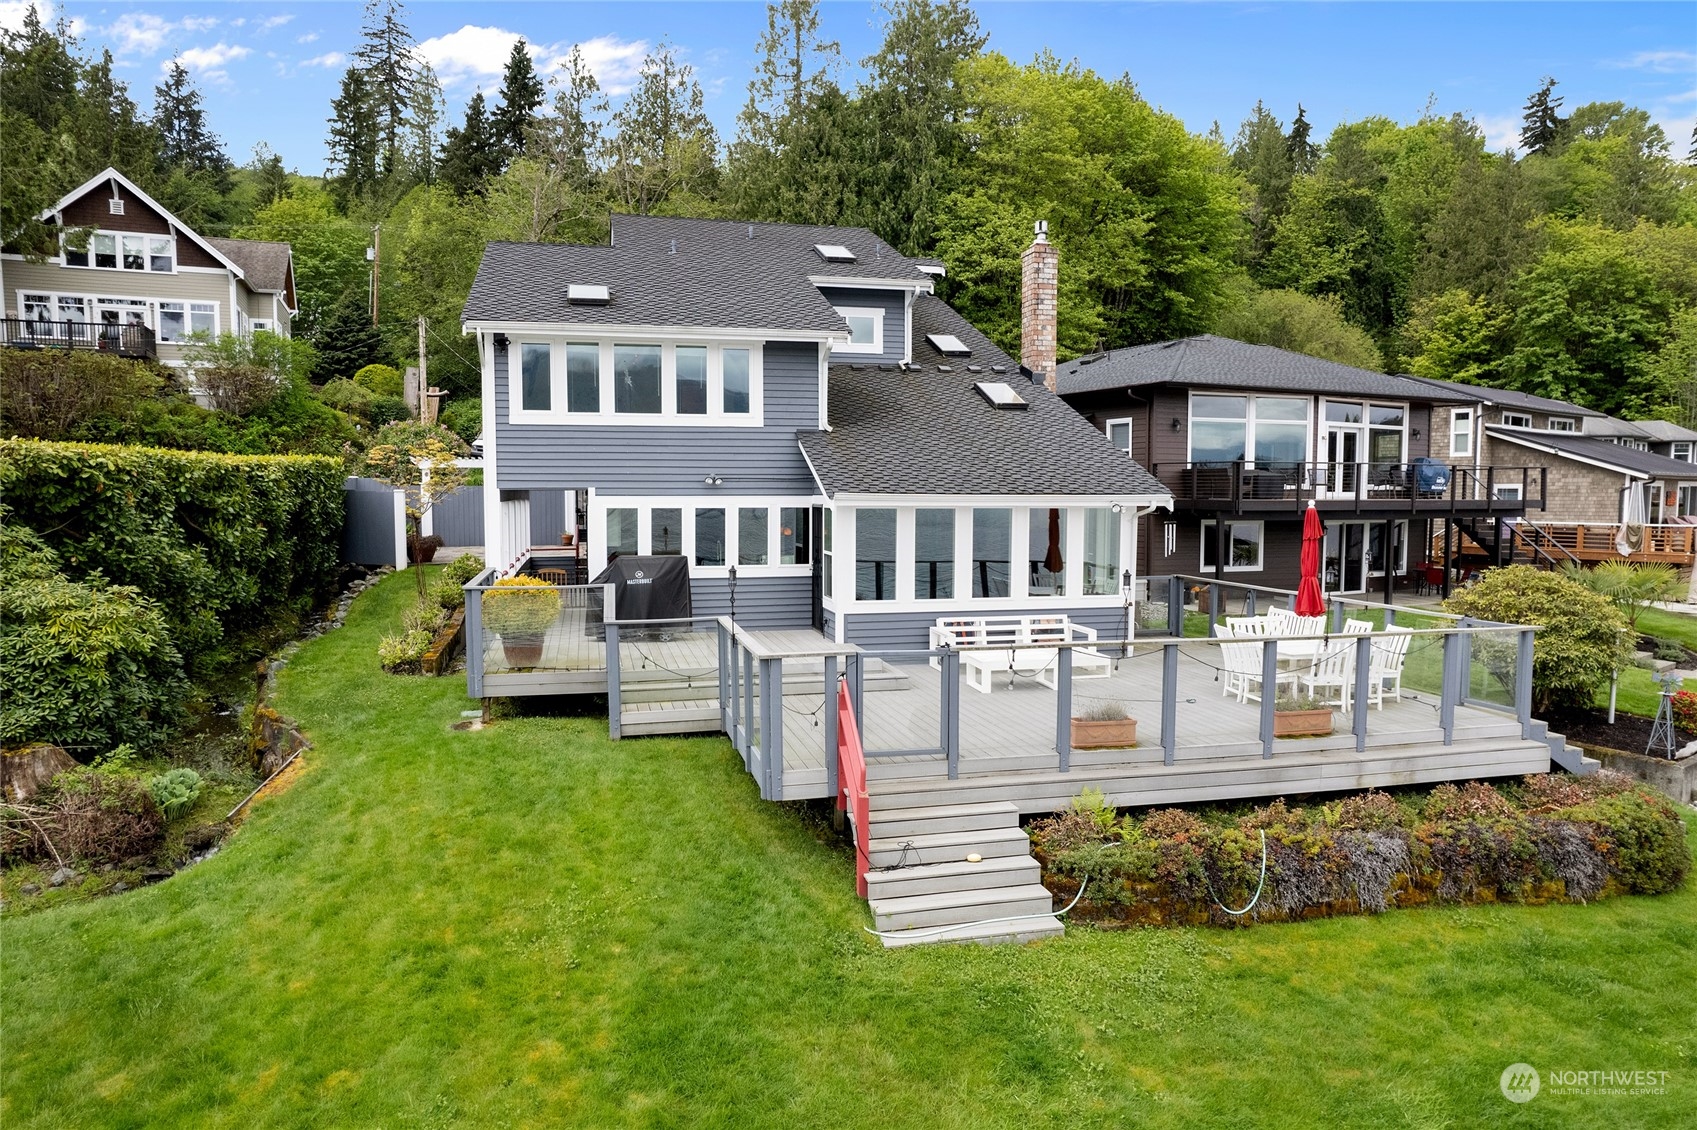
{"x": 949, "y": 344}
{"x": 937, "y": 269}
{"x": 1000, "y": 394}
{"x": 585, "y": 294}
{"x": 834, "y": 252}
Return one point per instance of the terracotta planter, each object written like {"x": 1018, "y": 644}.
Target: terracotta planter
{"x": 1117, "y": 733}
{"x": 1302, "y": 723}
{"x": 522, "y": 650}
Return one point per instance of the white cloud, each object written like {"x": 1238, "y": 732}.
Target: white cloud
{"x": 309, "y": 37}
{"x": 275, "y": 21}
{"x": 12, "y": 13}
{"x": 1687, "y": 96}
{"x": 328, "y": 59}
{"x": 474, "y": 53}
{"x": 209, "y": 61}
{"x": 238, "y": 23}
{"x": 1659, "y": 62}
{"x": 143, "y": 33}
{"x": 1502, "y": 131}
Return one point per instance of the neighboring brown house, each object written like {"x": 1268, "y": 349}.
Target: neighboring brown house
{"x": 144, "y": 282}
{"x": 1246, "y": 435}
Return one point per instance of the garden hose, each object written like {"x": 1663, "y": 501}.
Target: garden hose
{"x": 1259, "y": 887}
{"x": 939, "y": 931}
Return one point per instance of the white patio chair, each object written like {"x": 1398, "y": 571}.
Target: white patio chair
{"x": 1248, "y": 625}
{"x": 1390, "y": 651}
{"x": 1332, "y": 678}
{"x": 1241, "y": 674}
{"x": 1281, "y": 622}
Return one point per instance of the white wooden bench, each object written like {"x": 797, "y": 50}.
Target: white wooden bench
{"x": 1024, "y": 645}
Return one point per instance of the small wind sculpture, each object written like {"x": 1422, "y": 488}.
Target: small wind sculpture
{"x": 1663, "y": 742}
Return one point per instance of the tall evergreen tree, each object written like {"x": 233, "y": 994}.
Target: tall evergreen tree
{"x": 185, "y": 142}
{"x": 346, "y": 341}
{"x": 108, "y": 125}
{"x": 424, "y": 125}
{"x": 389, "y": 60}
{"x": 522, "y": 95}
{"x": 795, "y": 64}
{"x": 1263, "y": 154}
{"x": 663, "y": 148}
{"x": 471, "y": 154}
{"x": 273, "y": 178}
{"x": 1303, "y": 152}
{"x": 354, "y": 140}
{"x": 1541, "y": 128}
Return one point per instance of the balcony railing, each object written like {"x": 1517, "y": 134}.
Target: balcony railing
{"x": 123, "y": 340}
{"x": 1423, "y": 485}
{"x": 1581, "y": 542}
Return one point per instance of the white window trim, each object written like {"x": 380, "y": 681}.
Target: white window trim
{"x": 1508, "y": 492}
{"x": 147, "y": 256}
{"x": 1204, "y": 569}
{"x": 1562, "y": 424}
{"x": 1517, "y": 420}
{"x": 1461, "y": 425}
{"x": 1019, "y": 599}
{"x": 1249, "y": 421}
{"x": 668, "y": 416}
{"x": 877, "y": 315}
{"x": 1130, "y": 431}
{"x": 152, "y": 306}
{"x": 645, "y": 505}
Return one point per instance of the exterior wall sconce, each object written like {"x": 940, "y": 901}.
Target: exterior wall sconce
{"x": 500, "y": 343}
{"x": 712, "y": 481}
{"x": 1415, "y": 434}
{"x": 1178, "y": 424}
{"x": 1116, "y": 508}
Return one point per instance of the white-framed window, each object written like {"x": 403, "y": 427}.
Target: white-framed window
{"x": 1461, "y": 433}
{"x": 1119, "y": 433}
{"x": 121, "y": 251}
{"x": 179, "y": 320}
{"x": 865, "y": 328}
{"x": 1687, "y": 501}
{"x": 1243, "y": 546}
{"x": 1682, "y": 450}
{"x": 1508, "y": 492}
{"x": 1516, "y": 420}
{"x": 1266, "y": 431}
{"x": 630, "y": 381}
{"x": 1376, "y": 548}
{"x": 760, "y": 536}
{"x": 258, "y": 324}
{"x": 1563, "y": 424}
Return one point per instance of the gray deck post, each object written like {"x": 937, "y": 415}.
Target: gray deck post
{"x": 1523, "y": 684}
{"x": 474, "y": 642}
{"x": 1337, "y": 615}
{"x": 951, "y": 703}
{"x": 615, "y": 705}
{"x": 748, "y": 717}
{"x": 857, "y": 693}
{"x": 772, "y": 725}
{"x": 1390, "y": 617}
{"x": 1451, "y": 683}
{"x": 832, "y": 783}
{"x": 724, "y": 680}
{"x": 1363, "y": 668}
{"x": 1063, "y": 707}
{"x": 1269, "y": 693}
{"x": 735, "y": 688}
{"x": 1250, "y": 602}
{"x": 1464, "y": 667}
{"x": 1213, "y": 607}
{"x": 1175, "y": 607}
{"x": 1169, "y": 702}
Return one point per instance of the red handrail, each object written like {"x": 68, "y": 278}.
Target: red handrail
{"x": 851, "y": 784}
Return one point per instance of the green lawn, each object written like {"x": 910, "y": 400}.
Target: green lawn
{"x": 532, "y": 926}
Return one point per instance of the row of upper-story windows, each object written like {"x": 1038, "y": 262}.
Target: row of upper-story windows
{"x": 556, "y": 381}
{"x": 122, "y": 251}
{"x": 173, "y": 320}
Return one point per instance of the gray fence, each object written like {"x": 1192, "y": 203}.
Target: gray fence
{"x": 458, "y": 518}
{"x": 374, "y": 531}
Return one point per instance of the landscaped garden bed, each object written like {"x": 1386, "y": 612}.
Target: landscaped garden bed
{"x": 1547, "y": 839}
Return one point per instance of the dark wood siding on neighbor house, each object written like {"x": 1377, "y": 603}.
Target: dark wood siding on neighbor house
{"x": 90, "y": 210}
{"x": 1281, "y": 551}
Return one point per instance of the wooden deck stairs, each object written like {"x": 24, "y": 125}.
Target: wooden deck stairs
{"x": 924, "y": 887}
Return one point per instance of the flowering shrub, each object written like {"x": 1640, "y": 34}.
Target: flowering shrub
{"x": 400, "y": 655}
{"x": 1685, "y": 711}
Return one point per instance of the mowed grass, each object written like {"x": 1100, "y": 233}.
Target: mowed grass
{"x": 533, "y": 926}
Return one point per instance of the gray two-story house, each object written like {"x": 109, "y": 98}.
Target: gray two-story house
{"x": 796, "y": 404}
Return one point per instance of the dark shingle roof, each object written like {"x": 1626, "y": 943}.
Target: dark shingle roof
{"x": 1508, "y": 398}
{"x": 265, "y": 264}
{"x": 1222, "y": 362}
{"x": 666, "y": 271}
{"x": 1599, "y": 451}
{"x": 926, "y": 430}
{"x": 1655, "y": 431}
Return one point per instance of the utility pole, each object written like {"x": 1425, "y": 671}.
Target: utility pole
{"x": 424, "y": 405}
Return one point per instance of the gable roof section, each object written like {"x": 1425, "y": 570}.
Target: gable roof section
{"x": 111, "y": 174}
{"x": 669, "y": 272}
{"x": 267, "y": 265}
{"x": 1507, "y": 398}
{"x": 1598, "y": 452}
{"x": 1220, "y": 362}
{"x": 1654, "y": 431}
{"x": 925, "y": 429}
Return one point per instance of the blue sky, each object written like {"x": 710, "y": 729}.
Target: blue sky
{"x": 269, "y": 68}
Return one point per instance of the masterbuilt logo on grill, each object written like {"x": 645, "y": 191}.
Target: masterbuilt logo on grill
{"x": 638, "y": 579}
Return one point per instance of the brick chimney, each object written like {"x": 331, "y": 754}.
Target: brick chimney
{"x": 1039, "y": 277}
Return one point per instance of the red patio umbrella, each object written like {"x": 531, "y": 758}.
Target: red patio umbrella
{"x": 1310, "y": 601}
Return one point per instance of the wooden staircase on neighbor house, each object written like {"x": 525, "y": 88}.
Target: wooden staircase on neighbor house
{"x": 939, "y": 870}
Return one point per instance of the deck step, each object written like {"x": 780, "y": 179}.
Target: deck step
{"x": 948, "y": 847}
{"x": 951, "y": 908}
{"x": 943, "y": 818}
{"x": 679, "y": 718}
{"x": 983, "y": 933}
{"x": 936, "y": 878}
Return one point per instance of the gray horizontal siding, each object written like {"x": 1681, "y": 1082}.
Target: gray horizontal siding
{"x": 670, "y": 460}
{"x": 909, "y": 630}
{"x": 762, "y": 602}
{"x": 894, "y": 305}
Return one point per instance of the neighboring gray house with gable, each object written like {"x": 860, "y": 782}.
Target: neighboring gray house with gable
{"x": 793, "y": 402}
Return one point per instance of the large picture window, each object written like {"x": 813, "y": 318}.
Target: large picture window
{"x": 115, "y": 251}
{"x": 1243, "y": 546}
{"x": 1271, "y": 431}
{"x": 683, "y": 383}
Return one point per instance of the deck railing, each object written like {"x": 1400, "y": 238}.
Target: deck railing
{"x": 1596, "y": 542}
{"x": 851, "y": 795}
{"x": 1432, "y": 486}
{"x": 575, "y": 641}
{"x": 125, "y": 340}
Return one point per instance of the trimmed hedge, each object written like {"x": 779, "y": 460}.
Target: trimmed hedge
{"x": 1549, "y": 839}
{"x": 222, "y": 543}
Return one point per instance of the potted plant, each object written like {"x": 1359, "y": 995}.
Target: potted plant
{"x": 1104, "y": 726}
{"x": 520, "y": 610}
{"x": 421, "y": 548}
{"x": 1300, "y": 716}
